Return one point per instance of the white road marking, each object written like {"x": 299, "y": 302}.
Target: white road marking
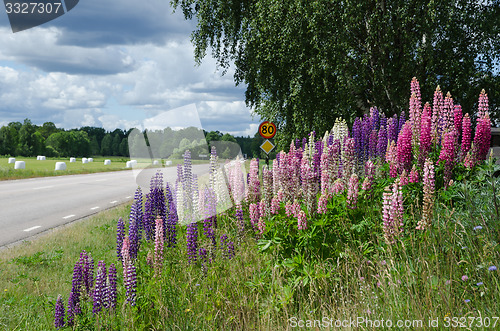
{"x": 128, "y": 197}
{"x": 100, "y": 180}
{"x": 43, "y": 187}
{"x": 66, "y": 217}
{"x": 114, "y": 201}
{"x": 94, "y": 208}
{"x": 32, "y": 228}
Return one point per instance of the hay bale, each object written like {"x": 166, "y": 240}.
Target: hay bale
{"x": 20, "y": 165}
{"x": 168, "y": 163}
{"x": 156, "y": 162}
{"x": 12, "y": 160}
{"x": 85, "y": 160}
{"x": 107, "y": 162}
{"x": 91, "y": 159}
{"x": 72, "y": 159}
{"x": 60, "y": 166}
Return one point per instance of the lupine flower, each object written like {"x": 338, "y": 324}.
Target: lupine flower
{"x": 425, "y": 135}
{"x": 100, "y": 288}
{"x": 159, "y": 244}
{"x": 171, "y": 231}
{"x": 230, "y": 250}
{"x": 483, "y": 106}
{"x": 466, "y": 135}
{"x": 261, "y": 225}
{"x": 112, "y": 291}
{"x": 59, "y": 313}
{"x": 446, "y": 120}
{"x": 402, "y": 121}
{"x": 119, "y": 238}
{"x": 139, "y": 216}
{"x": 348, "y": 158}
{"x": 448, "y": 155}
{"x": 74, "y": 297}
{"x": 302, "y": 220}
{"x": 458, "y": 119}
{"x": 492, "y": 268}
{"x": 403, "y": 179}
{"x": 338, "y": 187}
{"x": 392, "y": 129}
{"x": 192, "y": 241}
{"x": 309, "y": 185}
{"x": 404, "y": 147}
{"x": 428, "y": 203}
{"x": 130, "y": 282}
{"x": 415, "y": 109}
{"x": 467, "y": 300}
{"x": 254, "y": 214}
{"x": 253, "y": 190}
{"x": 413, "y": 175}
{"x": 352, "y": 192}
{"x": 382, "y": 142}
{"x": 482, "y": 137}
{"x": 275, "y": 206}
{"x": 479, "y": 227}
{"x": 133, "y": 232}
{"x": 393, "y": 212}
{"x": 391, "y": 157}
{"x": 464, "y": 278}
{"x": 436, "y": 114}
{"x": 322, "y": 204}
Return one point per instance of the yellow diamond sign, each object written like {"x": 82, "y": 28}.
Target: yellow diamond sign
{"x": 267, "y": 146}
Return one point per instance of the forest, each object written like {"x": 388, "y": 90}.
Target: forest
{"x": 28, "y": 139}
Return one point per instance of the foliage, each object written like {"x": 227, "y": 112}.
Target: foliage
{"x": 306, "y": 63}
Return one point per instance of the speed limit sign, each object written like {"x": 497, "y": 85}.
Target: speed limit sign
{"x": 267, "y": 130}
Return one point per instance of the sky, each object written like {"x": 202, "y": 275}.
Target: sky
{"x": 115, "y": 64}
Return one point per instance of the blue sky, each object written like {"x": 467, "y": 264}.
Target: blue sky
{"x": 112, "y": 64}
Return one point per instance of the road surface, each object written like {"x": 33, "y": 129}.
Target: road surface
{"x": 31, "y": 206}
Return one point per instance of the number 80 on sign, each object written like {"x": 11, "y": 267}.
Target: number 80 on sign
{"x": 267, "y": 130}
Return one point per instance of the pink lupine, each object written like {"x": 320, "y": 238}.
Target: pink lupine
{"x": 254, "y": 214}
{"x": 448, "y": 155}
{"x": 267, "y": 185}
{"x": 302, "y": 220}
{"x": 466, "y": 135}
{"x": 325, "y": 171}
{"x": 425, "y": 134}
{"x": 368, "y": 181}
{"x": 275, "y": 206}
{"x": 457, "y": 119}
{"x": 415, "y": 110}
{"x": 322, "y": 202}
{"x": 403, "y": 179}
{"x": 263, "y": 209}
{"x": 404, "y": 147}
{"x": 483, "y": 106}
{"x": 352, "y": 192}
{"x": 338, "y": 187}
{"x": 482, "y": 137}
{"x": 280, "y": 196}
{"x": 289, "y": 209}
{"x": 428, "y": 203}
{"x": 436, "y": 114}
{"x": 261, "y": 225}
{"x": 309, "y": 185}
{"x": 348, "y": 159}
{"x": 447, "y": 114}
{"x": 253, "y": 189}
{"x": 392, "y": 212}
{"x": 391, "y": 157}
{"x": 413, "y": 175}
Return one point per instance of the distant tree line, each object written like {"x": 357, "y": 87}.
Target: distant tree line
{"x": 28, "y": 139}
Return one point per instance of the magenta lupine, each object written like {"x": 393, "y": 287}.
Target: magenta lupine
{"x": 436, "y": 114}
{"x": 483, "y": 106}
{"x": 59, "y": 313}
{"x": 466, "y": 136}
{"x": 428, "y": 203}
{"x": 448, "y": 154}
{"x": 352, "y": 192}
{"x": 425, "y": 134}
{"x": 288, "y": 209}
{"x": 322, "y": 202}
{"x": 302, "y": 220}
{"x": 458, "y": 119}
{"x": 482, "y": 137}
{"x": 254, "y": 214}
{"x": 120, "y": 233}
{"x": 112, "y": 290}
{"x": 100, "y": 288}
{"x": 413, "y": 175}
{"x": 309, "y": 185}
{"x": 447, "y": 114}
{"x": 159, "y": 244}
{"x": 192, "y": 241}
{"x": 404, "y": 148}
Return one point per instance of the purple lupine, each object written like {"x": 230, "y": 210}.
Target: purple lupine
{"x": 366, "y": 132}
{"x": 120, "y": 233}
{"x": 392, "y": 129}
{"x": 209, "y": 212}
{"x": 139, "y": 210}
{"x": 230, "y": 250}
{"x": 87, "y": 264}
{"x": 74, "y": 297}
{"x": 100, "y": 287}
{"x": 133, "y": 231}
{"x": 382, "y": 142}
{"x": 402, "y": 121}
{"x": 239, "y": 218}
{"x": 357, "y": 135}
{"x": 112, "y": 290}
{"x": 372, "y": 145}
{"x": 159, "y": 244}
{"x": 130, "y": 282}
{"x": 375, "y": 116}
{"x": 59, "y": 313}
{"x": 155, "y": 205}
{"x": 171, "y": 224}
{"x": 192, "y": 241}
{"x": 223, "y": 245}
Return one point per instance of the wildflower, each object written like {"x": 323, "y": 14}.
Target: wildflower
{"x": 192, "y": 241}
{"x": 392, "y": 212}
{"x": 413, "y": 175}
{"x": 261, "y": 225}
{"x": 130, "y": 281}
{"x": 464, "y": 278}
{"x": 383, "y": 262}
{"x": 404, "y": 154}
{"x": 492, "y": 268}
{"x": 120, "y": 233}
{"x": 466, "y": 300}
{"x": 302, "y": 220}
{"x": 275, "y": 206}
{"x": 158, "y": 257}
{"x": 425, "y": 134}
{"x": 112, "y": 291}
{"x": 479, "y": 284}
{"x": 479, "y": 227}
{"x": 100, "y": 287}
{"x": 254, "y": 214}
{"x": 448, "y": 282}
{"x": 59, "y": 313}
{"x": 352, "y": 192}
{"x": 428, "y": 204}
{"x": 322, "y": 204}
{"x": 466, "y": 135}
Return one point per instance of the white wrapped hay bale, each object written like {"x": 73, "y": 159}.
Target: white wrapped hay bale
{"x": 127, "y": 165}
{"x": 107, "y": 162}
{"x": 91, "y": 159}
{"x": 40, "y": 158}
{"x": 85, "y": 160}
{"x": 20, "y": 165}
{"x": 131, "y": 164}
{"x": 168, "y": 163}
{"x": 60, "y": 166}
{"x": 156, "y": 162}
{"x": 12, "y": 160}
{"x": 72, "y": 159}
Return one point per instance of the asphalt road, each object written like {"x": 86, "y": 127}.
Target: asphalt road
{"x": 31, "y": 206}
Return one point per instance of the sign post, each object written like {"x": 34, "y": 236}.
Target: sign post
{"x": 267, "y": 130}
